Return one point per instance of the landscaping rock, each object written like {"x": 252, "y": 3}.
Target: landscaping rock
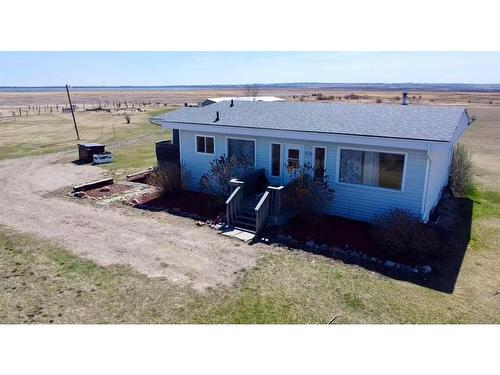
{"x": 425, "y": 269}
{"x": 200, "y": 223}
{"x": 105, "y": 189}
{"x": 310, "y": 243}
{"x": 389, "y": 264}
{"x": 79, "y": 194}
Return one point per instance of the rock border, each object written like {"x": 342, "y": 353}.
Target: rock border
{"x": 351, "y": 256}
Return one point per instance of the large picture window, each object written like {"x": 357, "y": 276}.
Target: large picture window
{"x": 371, "y": 168}
{"x": 242, "y": 149}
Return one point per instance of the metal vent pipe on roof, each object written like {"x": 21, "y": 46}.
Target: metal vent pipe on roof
{"x": 405, "y": 98}
{"x": 232, "y": 103}
{"x": 216, "y": 116}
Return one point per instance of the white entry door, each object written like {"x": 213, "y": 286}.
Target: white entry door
{"x": 294, "y": 158}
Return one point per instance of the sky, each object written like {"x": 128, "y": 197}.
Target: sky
{"x": 204, "y": 68}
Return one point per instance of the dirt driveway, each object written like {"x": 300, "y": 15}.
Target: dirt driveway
{"x": 158, "y": 246}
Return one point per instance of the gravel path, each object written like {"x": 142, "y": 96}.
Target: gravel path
{"x": 156, "y": 245}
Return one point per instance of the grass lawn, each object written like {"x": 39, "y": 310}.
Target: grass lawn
{"x": 48, "y": 133}
{"x": 44, "y": 283}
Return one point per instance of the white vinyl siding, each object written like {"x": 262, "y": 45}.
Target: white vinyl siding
{"x": 351, "y": 201}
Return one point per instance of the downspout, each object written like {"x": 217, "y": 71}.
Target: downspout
{"x": 426, "y": 184}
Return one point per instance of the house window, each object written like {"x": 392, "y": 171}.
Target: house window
{"x": 205, "y": 145}
{"x": 319, "y": 163}
{"x": 275, "y": 159}
{"x": 293, "y": 161}
{"x": 370, "y": 168}
{"x": 242, "y": 149}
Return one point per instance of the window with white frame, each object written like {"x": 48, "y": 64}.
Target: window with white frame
{"x": 380, "y": 169}
{"x": 205, "y": 145}
{"x": 241, "y": 149}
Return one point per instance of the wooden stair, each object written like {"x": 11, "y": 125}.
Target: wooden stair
{"x": 246, "y": 220}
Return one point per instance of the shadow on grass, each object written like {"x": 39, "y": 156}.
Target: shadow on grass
{"x": 453, "y": 227}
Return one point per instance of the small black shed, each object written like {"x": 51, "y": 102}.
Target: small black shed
{"x": 86, "y": 151}
{"x": 167, "y": 153}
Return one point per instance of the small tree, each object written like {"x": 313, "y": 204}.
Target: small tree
{"x": 222, "y": 170}
{"x": 307, "y": 195}
{"x": 460, "y": 171}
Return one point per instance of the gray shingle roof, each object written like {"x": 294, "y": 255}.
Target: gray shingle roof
{"x": 436, "y": 123}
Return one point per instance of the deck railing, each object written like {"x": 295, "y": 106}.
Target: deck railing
{"x": 240, "y": 188}
{"x": 274, "y": 203}
{"x": 262, "y": 211}
{"x": 233, "y": 205}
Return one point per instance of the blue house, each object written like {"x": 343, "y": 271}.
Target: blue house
{"x": 377, "y": 156}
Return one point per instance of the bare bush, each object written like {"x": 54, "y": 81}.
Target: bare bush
{"x": 461, "y": 171}
{"x": 252, "y": 91}
{"x": 401, "y": 235}
{"x": 307, "y": 195}
{"x": 169, "y": 179}
{"x": 222, "y": 170}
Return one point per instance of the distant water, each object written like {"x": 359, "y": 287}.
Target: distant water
{"x": 438, "y": 87}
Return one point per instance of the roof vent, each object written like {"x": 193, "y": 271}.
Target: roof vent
{"x": 232, "y": 103}
{"x": 405, "y": 98}
{"x": 216, "y": 116}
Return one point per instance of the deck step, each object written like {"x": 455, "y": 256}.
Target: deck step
{"x": 245, "y": 229}
{"x": 248, "y": 215}
{"x": 245, "y": 225}
{"x": 246, "y": 220}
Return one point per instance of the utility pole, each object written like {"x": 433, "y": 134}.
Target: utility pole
{"x": 72, "y": 113}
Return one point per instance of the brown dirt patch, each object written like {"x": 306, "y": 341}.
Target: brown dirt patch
{"x": 108, "y": 191}
{"x": 202, "y": 205}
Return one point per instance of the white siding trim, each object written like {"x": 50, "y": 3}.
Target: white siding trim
{"x": 386, "y": 151}
{"x": 423, "y": 210}
{"x": 180, "y": 148}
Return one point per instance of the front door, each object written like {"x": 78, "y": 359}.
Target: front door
{"x": 294, "y": 158}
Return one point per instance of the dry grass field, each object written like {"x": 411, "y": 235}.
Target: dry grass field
{"x": 45, "y": 283}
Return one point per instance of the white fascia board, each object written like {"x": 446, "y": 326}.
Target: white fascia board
{"x": 462, "y": 125}
{"x": 409, "y": 144}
